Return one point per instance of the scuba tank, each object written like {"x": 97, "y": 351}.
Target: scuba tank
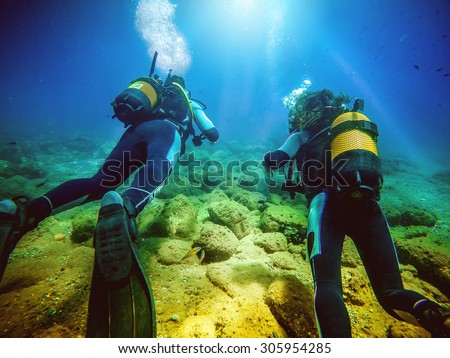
{"x": 140, "y": 100}
{"x": 354, "y": 155}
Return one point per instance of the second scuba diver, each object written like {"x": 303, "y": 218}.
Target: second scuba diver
{"x": 160, "y": 117}
{"x": 340, "y": 175}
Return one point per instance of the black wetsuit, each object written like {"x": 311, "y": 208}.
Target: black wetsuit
{"x": 331, "y": 217}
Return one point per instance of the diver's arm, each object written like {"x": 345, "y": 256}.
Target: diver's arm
{"x": 204, "y": 123}
{"x": 278, "y": 158}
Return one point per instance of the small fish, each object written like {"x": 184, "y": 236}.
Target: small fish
{"x": 12, "y": 143}
{"x": 192, "y": 252}
{"x": 40, "y": 184}
{"x": 416, "y": 66}
{"x": 439, "y": 69}
{"x": 447, "y": 74}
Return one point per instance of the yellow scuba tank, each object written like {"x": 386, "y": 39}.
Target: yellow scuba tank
{"x": 137, "y": 103}
{"x": 354, "y": 155}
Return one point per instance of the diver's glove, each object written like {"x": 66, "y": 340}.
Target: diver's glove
{"x": 198, "y": 140}
{"x": 274, "y": 160}
{"x": 268, "y": 170}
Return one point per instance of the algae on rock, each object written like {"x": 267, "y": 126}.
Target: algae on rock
{"x": 231, "y": 214}
{"x": 287, "y": 220}
{"x": 218, "y": 242}
{"x": 177, "y": 218}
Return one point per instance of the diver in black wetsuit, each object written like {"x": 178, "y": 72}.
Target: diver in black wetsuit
{"x": 336, "y": 155}
{"x": 161, "y": 119}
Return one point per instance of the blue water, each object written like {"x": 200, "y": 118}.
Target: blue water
{"x": 62, "y": 63}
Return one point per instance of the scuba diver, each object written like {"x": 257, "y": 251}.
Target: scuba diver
{"x": 159, "y": 117}
{"x": 338, "y": 170}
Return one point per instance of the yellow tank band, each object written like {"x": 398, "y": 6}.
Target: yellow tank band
{"x": 349, "y": 116}
{"x": 352, "y": 140}
{"x": 148, "y": 89}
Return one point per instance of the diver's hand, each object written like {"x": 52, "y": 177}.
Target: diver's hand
{"x": 268, "y": 164}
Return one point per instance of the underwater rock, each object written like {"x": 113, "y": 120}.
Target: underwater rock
{"x": 219, "y": 242}
{"x": 30, "y": 169}
{"x": 81, "y": 144}
{"x": 171, "y": 252}
{"x": 177, "y": 218}
{"x": 197, "y": 327}
{"x": 287, "y": 220}
{"x": 247, "y": 250}
{"x": 350, "y": 255}
{"x": 284, "y": 261}
{"x": 271, "y": 241}
{"x": 83, "y": 227}
{"x": 356, "y": 286}
{"x": 409, "y": 217}
{"x": 275, "y": 199}
{"x": 17, "y": 153}
{"x": 251, "y": 200}
{"x": 298, "y": 250}
{"x": 215, "y": 195}
{"x": 431, "y": 261}
{"x": 291, "y": 302}
{"x": 238, "y": 278}
{"x": 410, "y": 232}
{"x": 400, "y": 329}
{"x": 81, "y": 258}
{"x": 393, "y": 215}
{"x": 178, "y": 184}
{"x": 442, "y": 177}
{"x": 417, "y": 217}
{"x": 59, "y": 237}
{"x": 49, "y": 146}
{"x": 7, "y": 169}
{"x": 146, "y": 218}
{"x": 26, "y": 168}
{"x": 17, "y": 185}
{"x": 232, "y": 215}
{"x": 398, "y": 165}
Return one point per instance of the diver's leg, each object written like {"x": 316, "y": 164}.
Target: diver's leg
{"x": 377, "y": 250}
{"x": 325, "y": 240}
{"x": 162, "y": 155}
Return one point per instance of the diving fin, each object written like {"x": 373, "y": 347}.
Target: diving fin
{"x": 121, "y": 301}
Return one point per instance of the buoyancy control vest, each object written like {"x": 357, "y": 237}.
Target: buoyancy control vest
{"x": 176, "y": 103}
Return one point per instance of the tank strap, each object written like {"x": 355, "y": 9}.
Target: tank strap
{"x": 369, "y": 127}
